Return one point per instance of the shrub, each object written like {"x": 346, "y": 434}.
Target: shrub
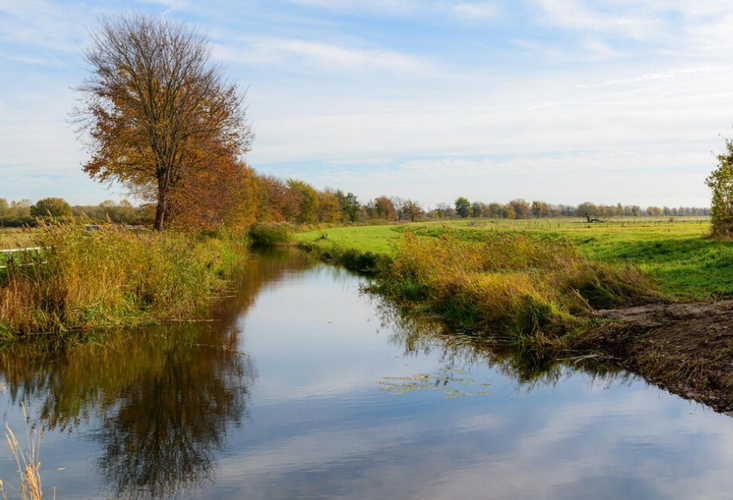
{"x": 272, "y": 233}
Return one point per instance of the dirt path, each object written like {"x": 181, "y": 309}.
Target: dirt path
{"x": 685, "y": 348}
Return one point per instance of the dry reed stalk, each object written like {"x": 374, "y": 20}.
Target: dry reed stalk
{"x": 28, "y": 463}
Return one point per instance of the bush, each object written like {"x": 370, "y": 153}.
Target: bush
{"x": 272, "y": 233}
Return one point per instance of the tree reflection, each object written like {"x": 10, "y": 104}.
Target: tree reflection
{"x": 421, "y": 334}
{"x": 161, "y": 398}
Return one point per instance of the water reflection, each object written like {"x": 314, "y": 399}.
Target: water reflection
{"x": 292, "y": 394}
{"x": 423, "y": 335}
{"x": 160, "y": 399}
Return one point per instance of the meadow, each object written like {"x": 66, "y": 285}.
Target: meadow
{"x": 675, "y": 252}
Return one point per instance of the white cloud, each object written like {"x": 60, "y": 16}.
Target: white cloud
{"x": 475, "y": 11}
{"x": 385, "y": 7}
{"x": 321, "y": 55}
{"x": 575, "y": 14}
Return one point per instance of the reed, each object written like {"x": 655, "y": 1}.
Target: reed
{"x": 109, "y": 277}
{"x": 28, "y": 465}
{"x": 535, "y": 291}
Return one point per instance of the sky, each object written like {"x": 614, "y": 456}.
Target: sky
{"x": 563, "y": 101}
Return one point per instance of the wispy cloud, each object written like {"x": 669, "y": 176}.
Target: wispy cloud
{"x": 322, "y": 55}
{"x": 577, "y": 14}
{"x": 475, "y": 11}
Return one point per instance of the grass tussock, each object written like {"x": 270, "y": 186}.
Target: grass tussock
{"x": 84, "y": 280}
{"x": 272, "y": 234}
{"x": 534, "y": 290}
{"x": 335, "y": 252}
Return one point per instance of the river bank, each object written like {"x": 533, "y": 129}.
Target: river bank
{"x": 681, "y": 345}
{"x": 82, "y": 280}
{"x": 686, "y": 348}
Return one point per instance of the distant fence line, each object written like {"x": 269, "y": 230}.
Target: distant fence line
{"x": 8, "y": 252}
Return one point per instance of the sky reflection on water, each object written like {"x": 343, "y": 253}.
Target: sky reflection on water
{"x": 292, "y": 395}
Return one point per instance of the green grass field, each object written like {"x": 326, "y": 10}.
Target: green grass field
{"x": 686, "y": 264}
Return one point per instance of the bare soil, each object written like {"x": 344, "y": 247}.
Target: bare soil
{"x": 684, "y": 348}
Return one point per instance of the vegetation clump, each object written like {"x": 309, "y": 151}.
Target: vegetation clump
{"x": 534, "y": 290}
{"x": 720, "y": 182}
{"x": 105, "y": 276}
{"x": 272, "y": 233}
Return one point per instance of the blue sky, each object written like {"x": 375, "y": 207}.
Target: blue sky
{"x": 559, "y": 100}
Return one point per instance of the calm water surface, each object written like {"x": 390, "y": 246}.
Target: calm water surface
{"x": 306, "y": 388}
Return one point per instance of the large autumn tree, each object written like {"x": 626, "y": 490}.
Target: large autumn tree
{"x": 159, "y": 113}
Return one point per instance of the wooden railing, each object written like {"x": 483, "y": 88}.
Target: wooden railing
{"x": 8, "y": 253}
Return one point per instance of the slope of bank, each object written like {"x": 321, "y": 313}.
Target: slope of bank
{"x": 679, "y": 338}
{"x": 83, "y": 279}
{"x": 685, "y": 348}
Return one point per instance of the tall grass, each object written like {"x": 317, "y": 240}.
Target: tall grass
{"x": 28, "y": 465}
{"x": 533, "y": 290}
{"x": 272, "y": 233}
{"x": 336, "y": 252}
{"x": 110, "y": 277}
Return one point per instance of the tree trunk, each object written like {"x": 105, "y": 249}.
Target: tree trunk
{"x": 160, "y": 210}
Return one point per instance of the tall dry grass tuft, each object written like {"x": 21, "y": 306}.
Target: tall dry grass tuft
{"x": 534, "y": 290}
{"x": 113, "y": 276}
{"x": 29, "y": 466}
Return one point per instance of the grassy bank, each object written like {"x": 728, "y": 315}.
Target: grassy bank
{"x": 533, "y": 289}
{"x": 685, "y": 264}
{"x": 111, "y": 277}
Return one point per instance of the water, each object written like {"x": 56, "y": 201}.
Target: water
{"x": 306, "y": 388}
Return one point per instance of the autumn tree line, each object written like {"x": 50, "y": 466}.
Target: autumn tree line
{"x": 270, "y": 199}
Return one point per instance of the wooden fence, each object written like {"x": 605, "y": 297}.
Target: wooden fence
{"x": 8, "y": 254}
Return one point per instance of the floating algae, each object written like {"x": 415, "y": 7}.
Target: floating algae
{"x": 439, "y": 381}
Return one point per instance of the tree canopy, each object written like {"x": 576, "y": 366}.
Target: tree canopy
{"x": 161, "y": 117}
{"x": 51, "y": 207}
{"x": 720, "y": 182}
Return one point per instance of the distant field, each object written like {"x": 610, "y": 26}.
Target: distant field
{"x": 685, "y": 263}
{"x": 15, "y": 238}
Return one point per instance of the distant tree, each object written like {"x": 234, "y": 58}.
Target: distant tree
{"x": 720, "y": 183}
{"x": 521, "y": 208}
{"x": 412, "y": 209}
{"x": 308, "y": 210}
{"x": 350, "y": 206}
{"x": 159, "y": 114}
{"x": 540, "y": 209}
{"x": 329, "y": 207}
{"x": 589, "y": 211}
{"x": 477, "y": 209}
{"x": 51, "y": 207}
{"x": 497, "y": 211}
{"x": 399, "y": 206}
{"x": 463, "y": 207}
{"x": 443, "y": 210}
{"x": 384, "y": 209}
{"x": 120, "y": 213}
{"x": 278, "y": 202}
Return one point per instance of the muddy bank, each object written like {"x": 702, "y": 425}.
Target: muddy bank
{"x": 685, "y": 348}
